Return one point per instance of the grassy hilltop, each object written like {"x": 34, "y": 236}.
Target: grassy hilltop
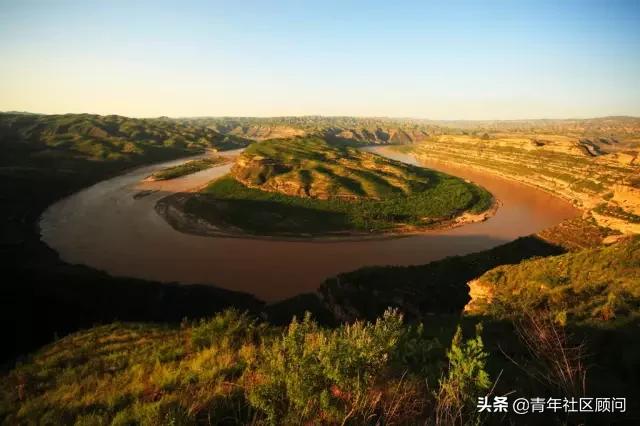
{"x": 587, "y": 287}
{"x": 112, "y": 138}
{"x": 313, "y": 186}
{"x": 315, "y": 168}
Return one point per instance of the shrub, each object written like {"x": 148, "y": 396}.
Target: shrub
{"x": 235, "y": 371}
{"x": 332, "y": 375}
{"x": 230, "y": 327}
{"x": 555, "y": 359}
{"x": 465, "y": 381}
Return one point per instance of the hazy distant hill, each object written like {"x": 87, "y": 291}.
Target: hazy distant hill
{"x": 106, "y": 138}
{"x": 366, "y": 130}
{"x": 406, "y": 130}
{"x": 46, "y": 157}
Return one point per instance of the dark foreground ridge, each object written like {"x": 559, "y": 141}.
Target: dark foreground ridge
{"x": 235, "y": 367}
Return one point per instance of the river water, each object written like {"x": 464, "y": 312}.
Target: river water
{"x": 111, "y": 227}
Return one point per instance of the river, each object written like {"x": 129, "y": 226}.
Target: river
{"x": 111, "y": 227}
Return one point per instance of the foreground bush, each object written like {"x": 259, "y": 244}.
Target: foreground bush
{"x": 335, "y": 375}
{"x": 233, "y": 370}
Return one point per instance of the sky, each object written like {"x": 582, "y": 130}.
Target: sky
{"x": 421, "y": 59}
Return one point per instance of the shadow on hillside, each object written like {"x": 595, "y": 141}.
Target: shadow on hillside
{"x": 438, "y": 287}
{"x": 267, "y": 217}
{"x": 42, "y": 297}
{"x": 42, "y": 301}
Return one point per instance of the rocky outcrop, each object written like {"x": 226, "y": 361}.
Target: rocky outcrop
{"x": 323, "y": 169}
{"x": 627, "y": 197}
{"x": 481, "y": 294}
{"x": 260, "y": 133}
{"x": 270, "y": 175}
{"x": 256, "y": 170}
{"x": 375, "y": 135}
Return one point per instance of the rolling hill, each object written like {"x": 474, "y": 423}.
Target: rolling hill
{"x": 310, "y": 186}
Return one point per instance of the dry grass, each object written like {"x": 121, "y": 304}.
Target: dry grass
{"x": 229, "y": 369}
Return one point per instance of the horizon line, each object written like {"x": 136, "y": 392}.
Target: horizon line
{"x": 387, "y": 117}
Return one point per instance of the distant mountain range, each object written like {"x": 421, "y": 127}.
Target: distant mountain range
{"x": 400, "y": 130}
{"x": 133, "y": 134}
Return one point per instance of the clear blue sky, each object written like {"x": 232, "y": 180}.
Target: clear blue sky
{"x": 440, "y": 60}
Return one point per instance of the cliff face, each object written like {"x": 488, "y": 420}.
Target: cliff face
{"x": 627, "y": 197}
{"x": 380, "y": 135}
{"x": 593, "y": 176}
{"x": 481, "y": 294}
{"x": 591, "y": 286}
{"x": 375, "y": 135}
{"x": 260, "y": 133}
{"x": 595, "y": 135}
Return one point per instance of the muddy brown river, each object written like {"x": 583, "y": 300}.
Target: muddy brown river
{"x": 111, "y": 227}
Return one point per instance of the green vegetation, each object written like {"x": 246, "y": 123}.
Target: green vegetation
{"x": 311, "y": 186}
{"x": 617, "y": 212}
{"x": 233, "y": 370}
{"x": 47, "y": 157}
{"x": 576, "y": 233}
{"x": 313, "y": 167}
{"x": 466, "y": 378}
{"x": 188, "y": 168}
{"x": 422, "y": 291}
{"x": 112, "y": 138}
{"x": 594, "y": 286}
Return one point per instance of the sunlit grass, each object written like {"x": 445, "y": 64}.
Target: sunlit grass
{"x": 229, "y": 368}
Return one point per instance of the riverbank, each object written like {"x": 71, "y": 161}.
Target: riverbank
{"x": 173, "y": 209}
{"x": 305, "y": 187}
{"x": 602, "y": 185}
{"x": 188, "y": 168}
{"x": 108, "y": 228}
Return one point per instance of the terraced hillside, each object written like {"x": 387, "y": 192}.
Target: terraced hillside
{"x": 312, "y": 167}
{"x": 312, "y": 186}
{"x": 595, "y": 286}
{"x": 604, "y": 183}
{"x": 360, "y": 130}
